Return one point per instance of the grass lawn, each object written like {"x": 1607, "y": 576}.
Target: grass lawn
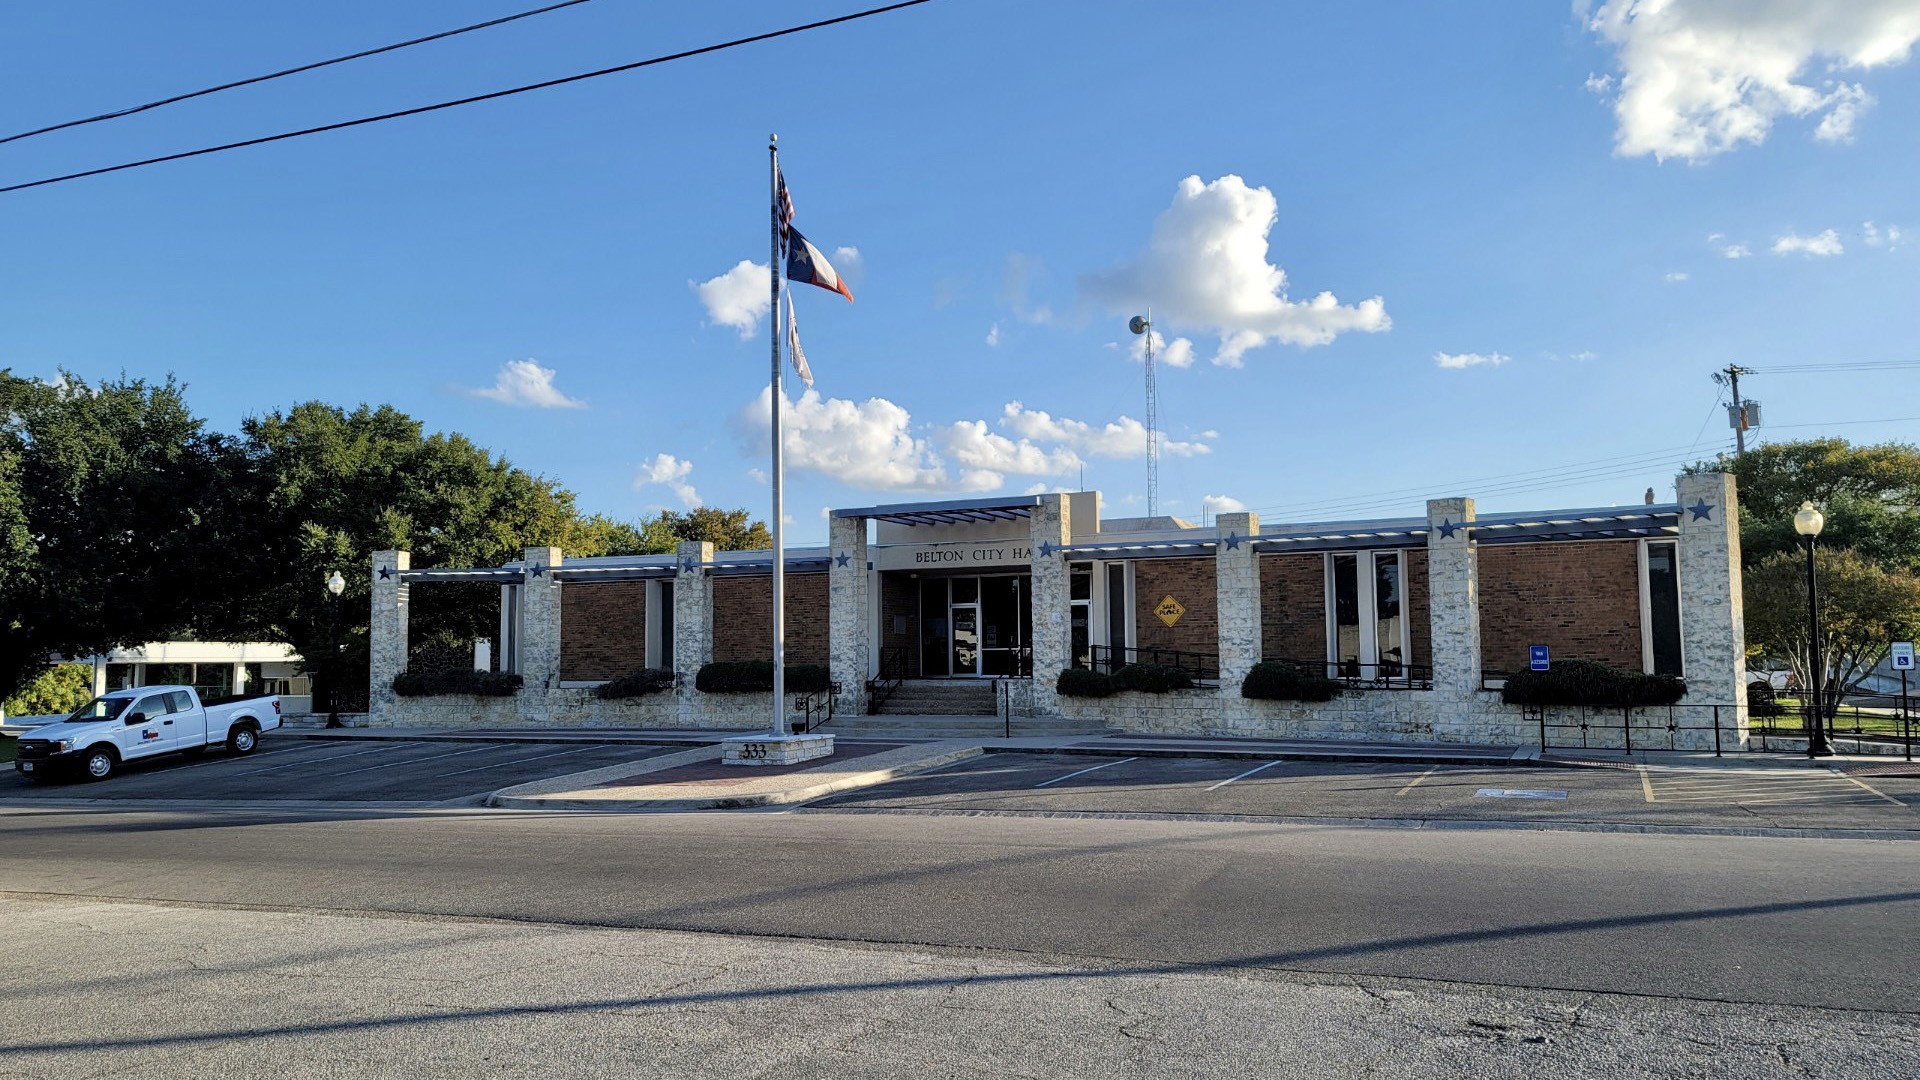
{"x": 1849, "y": 718}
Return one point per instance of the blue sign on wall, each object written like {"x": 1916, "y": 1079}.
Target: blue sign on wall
{"x": 1537, "y": 657}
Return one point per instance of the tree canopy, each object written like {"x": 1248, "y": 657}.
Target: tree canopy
{"x": 1869, "y": 494}
{"x": 1864, "y": 608}
{"x": 123, "y": 521}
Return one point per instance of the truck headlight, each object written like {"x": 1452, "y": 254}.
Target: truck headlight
{"x": 67, "y": 746}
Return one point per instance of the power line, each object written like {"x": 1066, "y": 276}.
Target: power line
{"x": 416, "y": 111}
{"x": 1844, "y": 423}
{"x": 1852, "y": 365}
{"x": 315, "y": 66}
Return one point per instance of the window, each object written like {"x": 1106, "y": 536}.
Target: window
{"x": 1367, "y": 632}
{"x": 1660, "y": 607}
{"x": 148, "y": 708}
{"x": 1080, "y": 582}
{"x": 1119, "y": 614}
{"x": 119, "y": 676}
{"x": 179, "y": 701}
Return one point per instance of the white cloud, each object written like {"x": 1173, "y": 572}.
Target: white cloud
{"x": 1206, "y": 266}
{"x": 1824, "y": 245}
{"x": 1676, "y": 276}
{"x": 1016, "y": 285}
{"x": 866, "y": 444}
{"x": 1176, "y": 353}
{"x": 993, "y": 335}
{"x": 1215, "y": 505}
{"x": 970, "y": 444}
{"x": 1044, "y": 488}
{"x": 739, "y": 298}
{"x": 1727, "y": 249}
{"x": 1875, "y": 237}
{"x": 1460, "y": 361}
{"x": 527, "y": 384}
{"x": 1599, "y": 84}
{"x": 849, "y": 264}
{"x": 758, "y": 475}
{"x": 671, "y": 473}
{"x": 1701, "y": 77}
{"x": 1122, "y": 438}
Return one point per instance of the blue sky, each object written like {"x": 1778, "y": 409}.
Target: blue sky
{"x": 1510, "y": 203}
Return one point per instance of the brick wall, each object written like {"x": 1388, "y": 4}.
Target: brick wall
{"x": 1189, "y": 581}
{"x": 1293, "y": 607}
{"x": 1581, "y": 599}
{"x": 743, "y": 618}
{"x": 603, "y": 629}
{"x": 900, "y": 599}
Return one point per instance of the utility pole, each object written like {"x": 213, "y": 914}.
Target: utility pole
{"x": 1730, "y": 376}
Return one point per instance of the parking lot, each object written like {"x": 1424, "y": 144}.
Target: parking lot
{"x": 289, "y": 768}
{"x": 1775, "y": 795}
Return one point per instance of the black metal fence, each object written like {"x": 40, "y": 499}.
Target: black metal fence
{"x": 1201, "y": 667}
{"x": 1355, "y": 675}
{"x": 1771, "y": 727}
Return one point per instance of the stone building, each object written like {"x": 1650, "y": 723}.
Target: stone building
{"x": 1418, "y": 617}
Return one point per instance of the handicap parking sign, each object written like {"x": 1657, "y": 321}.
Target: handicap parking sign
{"x": 1903, "y": 656}
{"x": 1537, "y": 657}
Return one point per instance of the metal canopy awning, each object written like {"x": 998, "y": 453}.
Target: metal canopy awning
{"x": 949, "y": 512}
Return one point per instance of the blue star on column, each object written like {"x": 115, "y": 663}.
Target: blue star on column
{"x": 842, "y": 559}
{"x": 1233, "y": 542}
{"x": 1047, "y": 548}
{"x": 686, "y": 566}
{"x": 385, "y": 573}
{"x": 1702, "y": 510}
{"x": 1448, "y": 528}
{"x": 538, "y": 569}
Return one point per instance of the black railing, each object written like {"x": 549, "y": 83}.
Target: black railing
{"x": 1199, "y": 666}
{"x": 893, "y": 672}
{"x": 1386, "y": 675}
{"x": 1771, "y": 727}
{"x": 346, "y": 699}
{"x": 816, "y": 709}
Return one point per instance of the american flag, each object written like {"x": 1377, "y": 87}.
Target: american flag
{"x": 783, "y": 207}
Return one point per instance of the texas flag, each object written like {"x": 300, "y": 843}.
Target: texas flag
{"x": 806, "y": 264}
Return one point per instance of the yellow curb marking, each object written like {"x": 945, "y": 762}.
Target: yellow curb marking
{"x": 1646, "y": 785}
{"x": 1869, "y": 787}
{"x": 1415, "y": 782}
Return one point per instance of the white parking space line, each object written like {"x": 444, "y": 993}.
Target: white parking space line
{"x": 251, "y": 757}
{"x": 309, "y": 761}
{"x": 1244, "y": 775}
{"x": 516, "y": 761}
{"x": 1084, "y": 772}
{"x": 411, "y": 761}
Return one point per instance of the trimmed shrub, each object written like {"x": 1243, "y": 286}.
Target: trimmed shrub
{"x": 1082, "y": 682}
{"x": 635, "y": 684}
{"x": 748, "y": 676}
{"x": 1762, "y": 700}
{"x": 456, "y": 681}
{"x": 1589, "y": 682}
{"x": 1151, "y": 678}
{"x": 1271, "y": 681}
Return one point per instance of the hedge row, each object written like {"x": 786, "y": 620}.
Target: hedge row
{"x": 1270, "y": 681}
{"x": 748, "y": 676}
{"x": 1146, "y": 678}
{"x": 1589, "y": 682}
{"x": 635, "y": 684}
{"x": 456, "y": 681}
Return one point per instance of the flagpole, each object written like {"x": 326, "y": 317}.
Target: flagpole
{"x": 779, "y": 473}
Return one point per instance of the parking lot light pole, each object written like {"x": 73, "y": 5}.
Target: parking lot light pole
{"x": 335, "y": 586}
{"x": 1808, "y": 523}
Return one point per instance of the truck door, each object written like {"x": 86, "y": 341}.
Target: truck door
{"x": 144, "y": 730}
{"x": 189, "y": 722}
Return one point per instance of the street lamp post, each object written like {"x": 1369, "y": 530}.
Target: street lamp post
{"x": 335, "y": 586}
{"x": 1808, "y": 523}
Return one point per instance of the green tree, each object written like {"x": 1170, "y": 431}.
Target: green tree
{"x": 1869, "y": 494}
{"x": 1863, "y": 608}
{"x": 103, "y": 493}
{"x": 727, "y": 530}
{"x": 58, "y": 690}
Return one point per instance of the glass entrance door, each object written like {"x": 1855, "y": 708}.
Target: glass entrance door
{"x": 975, "y": 626}
{"x": 1003, "y": 625}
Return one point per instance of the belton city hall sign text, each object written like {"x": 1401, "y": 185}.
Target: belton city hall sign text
{"x": 954, "y": 556}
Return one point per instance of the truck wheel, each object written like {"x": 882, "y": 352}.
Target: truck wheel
{"x": 98, "y": 764}
{"x": 243, "y": 739}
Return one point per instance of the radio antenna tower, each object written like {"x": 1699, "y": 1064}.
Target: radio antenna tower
{"x": 1143, "y": 324}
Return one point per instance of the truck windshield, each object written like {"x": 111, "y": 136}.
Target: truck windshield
{"x": 100, "y": 708}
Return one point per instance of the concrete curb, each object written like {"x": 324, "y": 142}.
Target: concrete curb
{"x": 529, "y": 795}
{"x": 1425, "y": 824}
{"x": 1254, "y": 754}
{"x": 739, "y": 802}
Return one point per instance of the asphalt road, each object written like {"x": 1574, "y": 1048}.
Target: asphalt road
{"x": 1787, "y": 921}
{"x": 1770, "y": 796}
{"x": 289, "y": 768}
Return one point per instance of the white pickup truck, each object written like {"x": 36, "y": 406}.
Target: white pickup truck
{"x": 142, "y": 722}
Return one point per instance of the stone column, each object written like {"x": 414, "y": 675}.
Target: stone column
{"x": 1236, "y": 576}
{"x": 540, "y": 620}
{"x": 1713, "y": 626}
{"x": 1453, "y": 589}
{"x": 847, "y": 614}
{"x": 1052, "y": 630}
{"x": 386, "y": 633}
{"x": 692, "y": 627}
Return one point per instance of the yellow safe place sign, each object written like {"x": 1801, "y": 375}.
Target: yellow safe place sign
{"x": 1170, "y": 610}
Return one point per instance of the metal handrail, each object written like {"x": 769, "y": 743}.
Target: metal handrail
{"x": 1770, "y": 728}
{"x": 893, "y": 672}
{"x": 1354, "y": 675}
{"x": 1201, "y": 667}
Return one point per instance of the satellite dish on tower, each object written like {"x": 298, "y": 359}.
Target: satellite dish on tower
{"x": 1138, "y": 324}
